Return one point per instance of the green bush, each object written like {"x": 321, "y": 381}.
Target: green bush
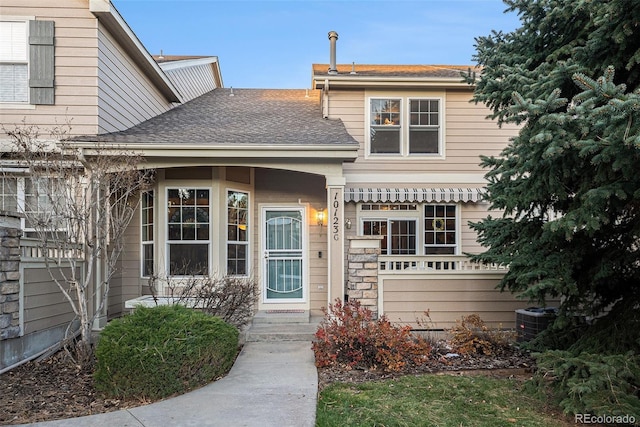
{"x": 160, "y": 351}
{"x": 589, "y": 383}
{"x": 349, "y": 336}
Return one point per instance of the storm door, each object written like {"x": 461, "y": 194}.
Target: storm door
{"x": 283, "y": 254}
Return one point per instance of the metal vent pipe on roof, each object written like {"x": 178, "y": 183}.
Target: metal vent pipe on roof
{"x": 333, "y": 36}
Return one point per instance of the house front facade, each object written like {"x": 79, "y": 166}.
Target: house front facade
{"x": 360, "y": 187}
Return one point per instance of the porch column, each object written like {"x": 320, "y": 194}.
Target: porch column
{"x": 362, "y": 282}
{"x": 335, "y": 236}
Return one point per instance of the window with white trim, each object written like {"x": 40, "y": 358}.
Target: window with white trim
{"x": 146, "y": 233}
{"x": 237, "y": 233}
{"x": 440, "y": 229}
{"x": 14, "y": 62}
{"x": 188, "y": 231}
{"x": 37, "y": 198}
{"x": 27, "y": 61}
{"x": 410, "y": 228}
{"x": 408, "y": 126}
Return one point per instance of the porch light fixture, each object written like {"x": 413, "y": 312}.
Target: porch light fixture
{"x": 320, "y": 217}
{"x": 347, "y": 224}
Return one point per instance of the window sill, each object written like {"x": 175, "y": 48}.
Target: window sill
{"x": 16, "y": 106}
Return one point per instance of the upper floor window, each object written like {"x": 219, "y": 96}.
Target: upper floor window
{"x": 405, "y": 127}
{"x": 26, "y": 61}
{"x": 14, "y": 62}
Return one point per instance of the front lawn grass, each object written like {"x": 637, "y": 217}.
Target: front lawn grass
{"x": 432, "y": 400}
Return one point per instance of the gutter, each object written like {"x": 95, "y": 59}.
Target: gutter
{"x": 117, "y": 26}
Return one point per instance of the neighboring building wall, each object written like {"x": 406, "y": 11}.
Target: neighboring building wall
{"x": 125, "y": 96}
{"x": 126, "y": 283}
{"x": 192, "y": 81}
{"x": 76, "y": 59}
{"x": 44, "y": 304}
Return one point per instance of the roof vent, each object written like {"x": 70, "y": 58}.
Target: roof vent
{"x": 231, "y": 94}
{"x": 353, "y": 68}
{"x": 161, "y": 55}
{"x": 333, "y": 36}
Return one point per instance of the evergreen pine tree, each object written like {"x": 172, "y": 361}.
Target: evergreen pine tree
{"x": 569, "y": 183}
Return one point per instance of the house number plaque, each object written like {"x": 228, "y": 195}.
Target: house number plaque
{"x": 335, "y": 214}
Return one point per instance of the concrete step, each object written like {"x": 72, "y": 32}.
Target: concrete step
{"x": 263, "y": 332}
{"x": 281, "y": 316}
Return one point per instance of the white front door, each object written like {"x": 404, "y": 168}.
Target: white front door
{"x": 283, "y": 243}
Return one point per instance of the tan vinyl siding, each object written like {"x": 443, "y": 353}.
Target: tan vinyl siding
{"x": 468, "y": 134}
{"x": 76, "y": 59}
{"x": 44, "y": 304}
{"x": 125, "y": 96}
{"x": 278, "y": 186}
{"x": 127, "y": 283}
{"x": 448, "y": 298}
{"x": 192, "y": 81}
{"x": 472, "y": 212}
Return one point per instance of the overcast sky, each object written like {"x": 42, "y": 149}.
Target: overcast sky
{"x": 272, "y": 43}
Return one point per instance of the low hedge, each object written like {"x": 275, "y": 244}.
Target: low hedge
{"x": 157, "y": 352}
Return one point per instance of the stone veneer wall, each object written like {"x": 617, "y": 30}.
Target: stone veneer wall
{"x": 362, "y": 271}
{"x": 9, "y": 276}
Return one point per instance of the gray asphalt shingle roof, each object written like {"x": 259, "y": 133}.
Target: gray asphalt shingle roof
{"x": 249, "y": 116}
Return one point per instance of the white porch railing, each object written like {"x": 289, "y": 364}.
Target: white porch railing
{"x": 31, "y": 249}
{"x": 433, "y": 264}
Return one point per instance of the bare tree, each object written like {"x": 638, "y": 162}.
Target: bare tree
{"x": 78, "y": 202}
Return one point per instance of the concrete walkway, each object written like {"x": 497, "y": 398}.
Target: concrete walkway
{"x": 270, "y": 384}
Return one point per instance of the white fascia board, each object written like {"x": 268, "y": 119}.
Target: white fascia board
{"x": 373, "y": 81}
{"x": 118, "y": 27}
{"x": 186, "y": 63}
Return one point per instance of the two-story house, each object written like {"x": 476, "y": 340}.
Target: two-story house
{"x": 76, "y": 63}
{"x": 361, "y": 186}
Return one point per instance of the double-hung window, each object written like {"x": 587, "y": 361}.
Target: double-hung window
{"x": 406, "y": 127}
{"x": 188, "y": 232}
{"x": 237, "y": 233}
{"x": 26, "y": 61}
{"x": 14, "y": 62}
